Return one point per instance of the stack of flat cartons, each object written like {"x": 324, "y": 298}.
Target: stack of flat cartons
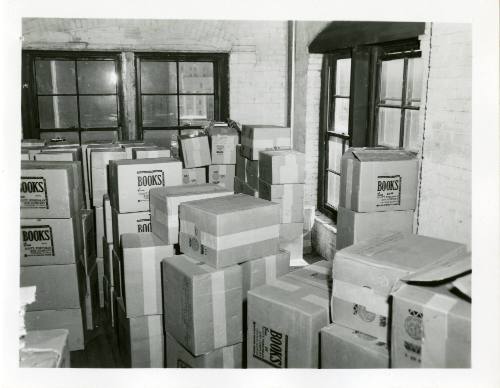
{"x": 203, "y": 288}
{"x": 52, "y": 246}
{"x": 281, "y": 180}
{"x": 194, "y": 151}
{"x": 364, "y": 275}
{"x": 223, "y": 141}
{"x": 378, "y": 191}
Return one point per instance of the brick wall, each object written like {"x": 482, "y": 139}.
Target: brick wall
{"x": 258, "y": 52}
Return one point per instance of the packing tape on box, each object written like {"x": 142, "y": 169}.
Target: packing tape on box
{"x": 218, "y": 309}
{"x": 229, "y": 241}
{"x": 348, "y": 186}
{"x": 435, "y": 324}
{"x": 361, "y": 295}
{"x": 270, "y": 265}
{"x": 149, "y": 283}
{"x": 228, "y": 357}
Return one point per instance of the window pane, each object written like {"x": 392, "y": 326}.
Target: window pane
{"x": 341, "y": 123}
{"x": 412, "y": 120}
{"x": 158, "y": 77}
{"x": 98, "y": 111}
{"x": 414, "y": 81}
{"x": 333, "y": 189}
{"x": 343, "y": 77}
{"x": 96, "y": 77}
{"x": 58, "y": 112}
{"x": 194, "y": 109}
{"x": 196, "y": 77}
{"x": 159, "y": 111}
{"x": 389, "y": 122}
{"x": 55, "y": 77}
{"x": 334, "y": 153}
{"x": 391, "y": 82}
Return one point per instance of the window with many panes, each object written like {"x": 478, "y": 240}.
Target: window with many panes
{"x": 180, "y": 90}
{"x": 72, "y": 91}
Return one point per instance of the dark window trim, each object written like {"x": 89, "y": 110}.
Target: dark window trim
{"x": 221, "y": 85}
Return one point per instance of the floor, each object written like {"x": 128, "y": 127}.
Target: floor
{"x": 101, "y": 348}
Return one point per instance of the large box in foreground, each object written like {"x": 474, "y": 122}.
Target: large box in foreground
{"x": 228, "y": 230}
{"x": 202, "y": 305}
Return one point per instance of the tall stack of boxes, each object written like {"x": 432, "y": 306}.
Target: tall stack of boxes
{"x": 52, "y": 247}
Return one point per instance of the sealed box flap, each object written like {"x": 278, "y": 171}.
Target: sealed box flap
{"x": 445, "y": 268}
{"x": 464, "y": 285}
{"x": 382, "y": 155}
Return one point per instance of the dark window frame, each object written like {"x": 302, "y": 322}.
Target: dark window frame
{"x": 29, "y": 95}
{"x": 221, "y": 85}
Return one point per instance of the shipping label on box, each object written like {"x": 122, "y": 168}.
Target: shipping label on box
{"x": 99, "y": 160}
{"x": 70, "y": 319}
{"x": 150, "y": 152}
{"x": 194, "y": 176}
{"x": 378, "y": 180}
{"x": 241, "y": 164}
{"x": 223, "y": 141}
{"x": 131, "y": 180}
{"x": 195, "y": 151}
{"x": 281, "y": 167}
{"x": 256, "y": 138}
{"x": 44, "y": 277}
{"x": 345, "y": 348}
{"x": 141, "y": 256}
{"x": 290, "y": 196}
{"x": 229, "y": 230}
{"x": 353, "y": 227}
{"x": 222, "y": 175}
{"x": 179, "y": 357}
{"x": 48, "y": 241}
{"x": 164, "y": 204}
{"x": 138, "y": 222}
{"x": 284, "y": 321}
{"x": 264, "y": 270}
{"x": 202, "y": 305}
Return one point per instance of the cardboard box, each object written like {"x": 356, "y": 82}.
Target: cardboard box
{"x": 56, "y": 156}
{"x": 150, "y": 152}
{"x": 117, "y": 274}
{"x": 32, "y": 151}
{"x": 48, "y": 296}
{"x": 47, "y": 190}
{"x": 318, "y": 274}
{"x": 109, "y": 301}
{"x": 223, "y": 141}
{"x": 229, "y": 230}
{"x": 242, "y": 187}
{"x": 108, "y": 260}
{"x": 241, "y": 164}
{"x": 130, "y": 147}
{"x": 194, "y": 176}
{"x": 284, "y": 321}
{"x": 108, "y": 219}
{"x": 366, "y": 272}
{"x": 194, "y": 151}
{"x": 160, "y": 137}
{"x": 131, "y": 180}
{"x": 252, "y": 173}
{"x": 202, "y": 305}
{"x": 141, "y": 257}
{"x": 353, "y": 227}
{"x": 99, "y": 161}
{"x": 70, "y": 319}
{"x": 264, "y": 270}
{"x": 179, "y": 357}
{"x": 99, "y": 230}
{"x": 344, "y": 348}
{"x": 139, "y": 222}
{"x": 378, "y": 180}
{"x": 89, "y": 243}
{"x": 256, "y": 138}
{"x": 291, "y": 240}
{"x": 164, "y": 204}
{"x": 100, "y": 274}
{"x": 87, "y": 150}
{"x": 48, "y": 241}
{"x": 140, "y": 339}
{"x": 91, "y": 306}
{"x": 222, "y": 175}
{"x": 289, "y": 196}
{"x": 45, "y": 349}
{"x": 282, "y": 167}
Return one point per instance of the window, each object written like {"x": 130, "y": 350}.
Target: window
{"x": 185, "y": 90}
{"x": 72, "y": 91}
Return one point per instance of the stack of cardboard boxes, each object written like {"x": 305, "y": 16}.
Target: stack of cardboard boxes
{"x": 52, "y": 246}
